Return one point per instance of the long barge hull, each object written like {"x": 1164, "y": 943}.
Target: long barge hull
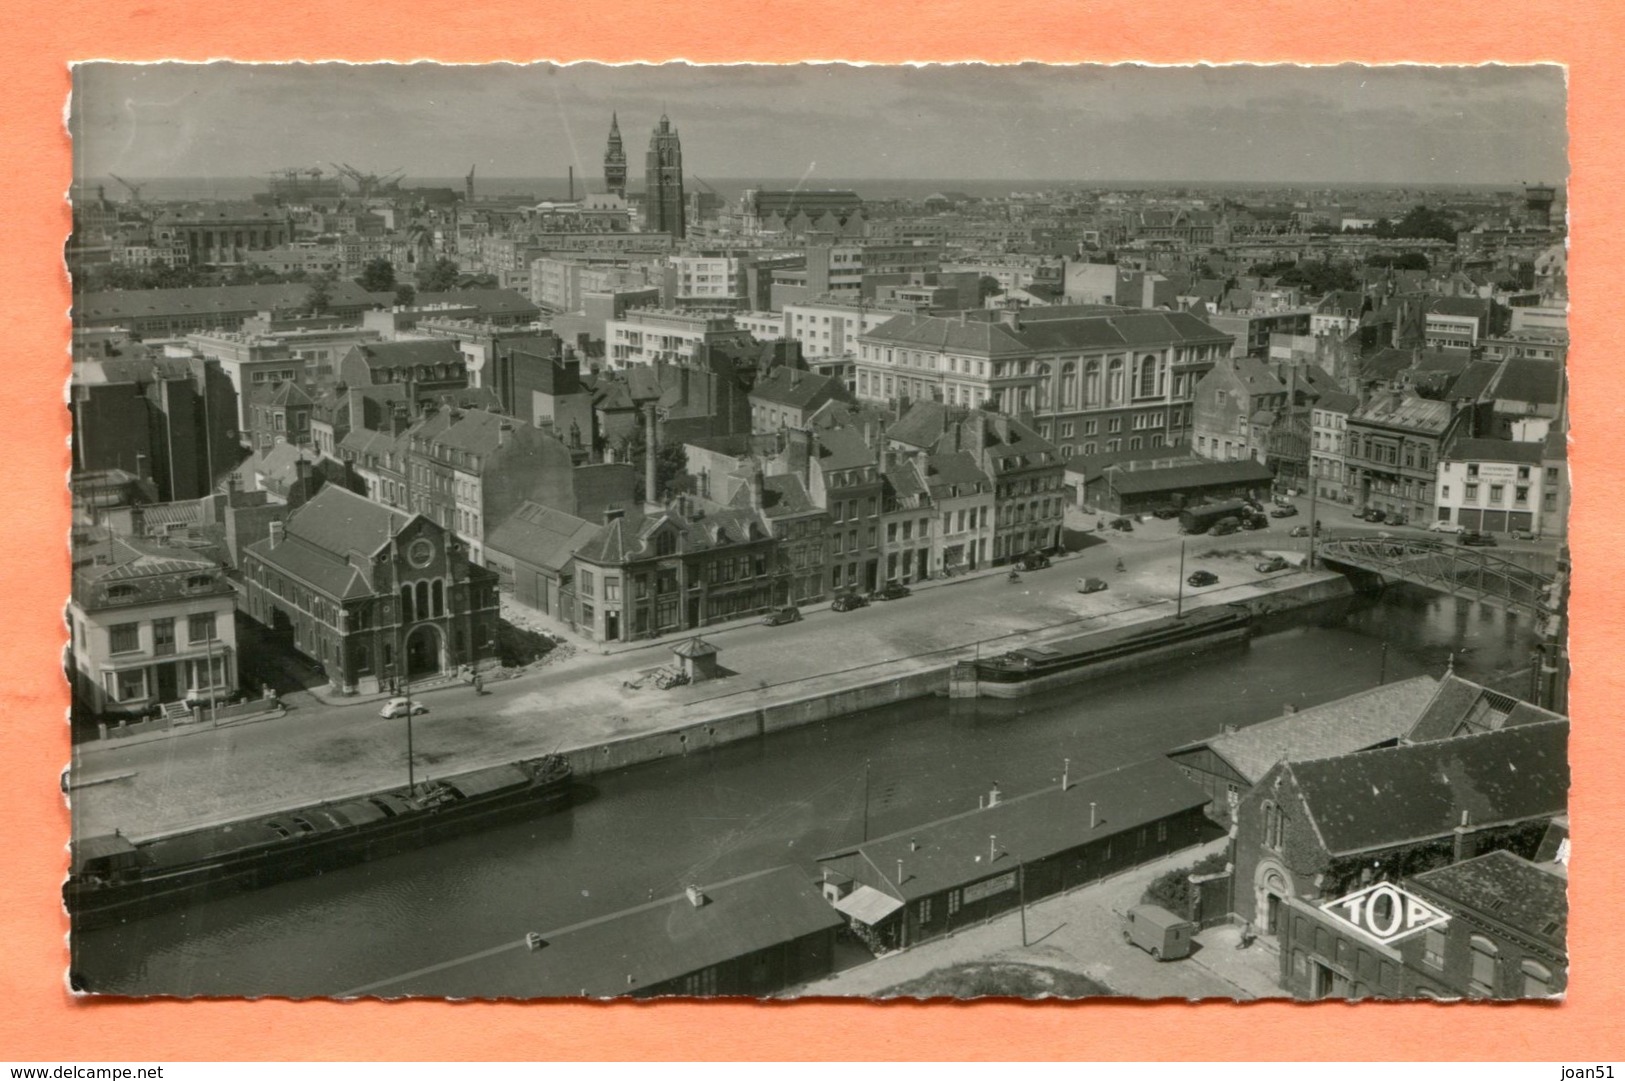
{"x": 97, "y": 901}
{"x": 994, "y": 680}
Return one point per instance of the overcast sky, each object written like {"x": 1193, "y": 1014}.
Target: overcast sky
{"x": 1347, "y": 124}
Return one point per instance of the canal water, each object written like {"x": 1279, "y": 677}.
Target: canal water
{"x": 648, "y": 831}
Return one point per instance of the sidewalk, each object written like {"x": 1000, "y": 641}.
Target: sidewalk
{"x": 1078, "y": 932}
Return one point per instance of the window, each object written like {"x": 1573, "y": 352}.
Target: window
{"x": 130, "y": 685}
{"x": 584, "y": 581}
{"x": 125, "y": 637}
{"x": 1472, "y": 470}
{"x": 1497, "y": 491}
{"x": 1469, "y": 493}
{"x": 1537, "y": 980}
{"x": 1520, "y": 494}
{"x": 924, "y": 911}
{"x": 200, "y": 627}
{"x": 612, "y": 589}
{"x": 1485, "y": 957}
{"x": 163, "y": 636}
{"x": 1523, "y": 472}
{"x": 1433, "y": 948}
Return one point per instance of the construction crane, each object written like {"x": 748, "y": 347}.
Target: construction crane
{"x": 134, "y": 189}
{"x": 371, "y": 183}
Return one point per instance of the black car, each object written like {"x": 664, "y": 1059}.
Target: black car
{"x": 1271, "y": 565}
{"x": 781, "y": 616}
{"x": 1165, "y": 513}
{"x": 1225, "y": 526}
{"x": 1034, "y": 561}
{"x": 1257, "y": 521}
{"x": 1203, "y": 578}
{"x": 1374, "y": 515}
{"x": 848, "y": 601}
{"x": 1288, "y": 511}
{"x": 1122, "y": 525}
{"x": 1477, "y": 540}
{"x": 891, "y": 591}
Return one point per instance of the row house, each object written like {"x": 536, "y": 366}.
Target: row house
{"x": 1329, "y": 442}
{"x": 1092, "y": 380}
{"x": 1237, "y": 403}
{"x": 659, "y": 572}
{"x": 149, "y": 624}
{"x": 1025, "y": 474}
{"x": 1394, "y": 444}
{"x": 1497, "y": 486}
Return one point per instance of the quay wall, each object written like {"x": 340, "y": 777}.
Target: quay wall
{"x": 697, "y": 736}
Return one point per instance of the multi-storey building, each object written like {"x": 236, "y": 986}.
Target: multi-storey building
{"x": 1329, "y": 442}
{"x": 173, "y": 421}
{"x": 1092, "y": 379}
{"x": 150, "y": 625}
{"x": 1394, "y": 445}
{"x": 649, "y": 335}
{"x": 1493, "y": 485}
{"x": 844, "y": 478}
{"x": 374, "y": 595}
{"x": 831, "y": 327}
{"x": 651, "y": 573}
{"x": 221, "y": 235}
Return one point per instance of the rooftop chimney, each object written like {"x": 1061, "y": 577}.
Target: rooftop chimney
{"x": 993, "y": 796}
{"x": 1093, "y": 821}
{"x": 649, "y": 493}
{"x": 1066, "y": 770}
{"x": 504, "y": 428}
{"x": 992, "y": 847}
{"x": 277, "y": 531}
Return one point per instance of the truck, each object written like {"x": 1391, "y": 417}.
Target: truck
{"x": 1200, "y": 519}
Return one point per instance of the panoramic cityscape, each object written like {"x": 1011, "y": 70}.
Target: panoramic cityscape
{"x": 547, "y": 532}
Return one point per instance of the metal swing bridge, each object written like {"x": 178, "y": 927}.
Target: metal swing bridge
{"x": 1474, "y": 573}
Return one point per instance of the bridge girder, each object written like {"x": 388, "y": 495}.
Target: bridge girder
{"x": 1450, "y": 568}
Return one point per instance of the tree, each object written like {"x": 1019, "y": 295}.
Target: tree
{"x": 988, "y": 286}
{"x": 1411, "y": 260}
{"x": 319, "y": 297}
{"x": 438, "y": 276}
{"x": 378, "y": 276}
{"x": 405, "y": 294}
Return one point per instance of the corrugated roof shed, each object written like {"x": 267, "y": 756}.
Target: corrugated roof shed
{"x": 1180, "y": 477}
{"x": 636, "y": 948}
{"x": 542, "y": 536}
{"x": 953, "y": 851}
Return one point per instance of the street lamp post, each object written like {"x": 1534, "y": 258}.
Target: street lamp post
{"x": 1179, "y": 601}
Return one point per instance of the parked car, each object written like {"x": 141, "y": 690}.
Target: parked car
{"x": 1091, "y": 585}
{"x": 1281, "y": 500}
{"x": 1034, "y": 561}
{"x": 1301, "y": 530}
{"x": 891, "y": 591}
{"x": 1158, "y": 932}
{"x": 1446, "y": 527}
{"x": 780, "y": 616}
{"x": 848, "y": 601}
{"x": 1165, "y": 513}
{"x": 1374, "y": 515}
{"x": 1256, "y": 521}
{"x": 398, "y": 707}
{"x": 1522, "y": 534}
{"x": 1225, "y": 526}
{"x": 1203, "y": 578}
{"x": 1122, "y": 525}
{"x": 1271, "y": 565}
{"x": 1477, "y": 540}
{"x": 1288, "y": 511}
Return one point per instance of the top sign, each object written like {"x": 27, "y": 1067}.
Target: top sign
{"x": 1384, "y": 912}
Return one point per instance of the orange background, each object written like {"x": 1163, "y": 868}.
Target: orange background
{"x": 40, "y": 1021}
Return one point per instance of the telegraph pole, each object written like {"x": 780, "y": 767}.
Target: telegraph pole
{"x": 1179, "y": 598}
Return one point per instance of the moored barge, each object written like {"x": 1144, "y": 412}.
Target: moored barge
{"x": 1038, "y": 668}
{"x": 113, "y": 877}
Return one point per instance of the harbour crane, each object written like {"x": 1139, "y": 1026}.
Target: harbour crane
{"x": 134, "y": 189}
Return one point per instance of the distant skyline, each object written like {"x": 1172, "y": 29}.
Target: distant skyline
{"x": 1086, "y": 124}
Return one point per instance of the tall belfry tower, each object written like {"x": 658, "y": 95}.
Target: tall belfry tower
{"x": 615, "y": 160}
{"x": 663, "y": 182}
